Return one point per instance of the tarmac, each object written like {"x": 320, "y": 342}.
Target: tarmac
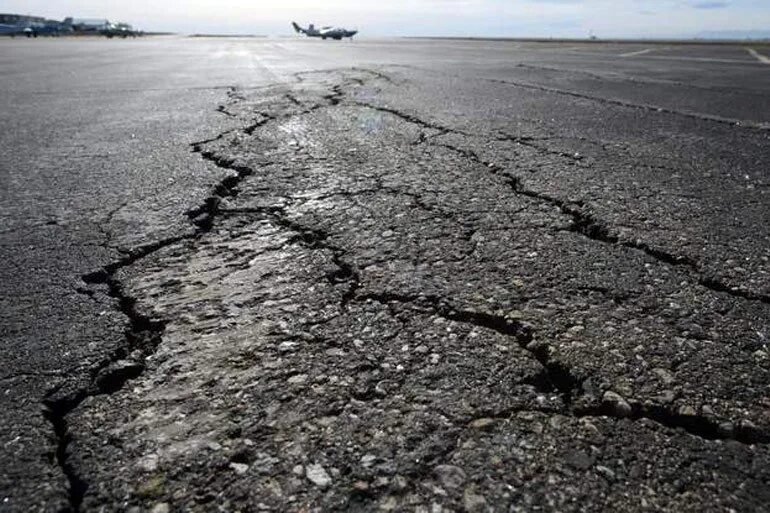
{"x": 279, "y": 274}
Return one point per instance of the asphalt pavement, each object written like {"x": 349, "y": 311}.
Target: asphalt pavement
{"x": 279, "y": 274}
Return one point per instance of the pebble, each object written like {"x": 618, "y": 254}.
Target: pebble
{"x": 666, "y": 397}
{"x": 473, "y": 503}
{"x": 482, "y": 423}
{"x": 287, "y": 346}
{"x": 161, "y": 507}
{"x": 400, "y": 483}
{"x": 367, "y": 460}
{"x": 388, "y": 503}
{"x": 318, "y": 476}
{"x": 149, "y": 463}
{"x": 239, "y": 468}
{"x": 574, "y": 330}
{"x": 664, "y": 375}
{"x": 558, "y": 421}
{"x": 619, "y": 405}
{"x": 580, "y": 460}
{"x": 726, "y": 428}
{"x": 298, "y": 379}
{"x": 450, "y": 476}
{"x": 590, "y": 427}
{"x": 606, "y": 472}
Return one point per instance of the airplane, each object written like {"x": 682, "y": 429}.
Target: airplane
{"x": 123, "y": 30}
{"x": 325, "y": 32}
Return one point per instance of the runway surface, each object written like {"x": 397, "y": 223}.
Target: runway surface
{"x": 398, "y": 275}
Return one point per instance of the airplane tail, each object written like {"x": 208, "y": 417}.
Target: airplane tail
{"x": 297, "y": 28}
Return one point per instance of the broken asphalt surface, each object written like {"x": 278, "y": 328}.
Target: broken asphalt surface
{"x": 378, "y": 310}
{"x": 387, "y": 307}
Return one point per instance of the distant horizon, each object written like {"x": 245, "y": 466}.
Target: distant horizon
{"x": 736, "y": 36}
{"x": 557, "y": 19}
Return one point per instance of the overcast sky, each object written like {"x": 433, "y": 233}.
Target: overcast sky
{"x": 557, "y": 18}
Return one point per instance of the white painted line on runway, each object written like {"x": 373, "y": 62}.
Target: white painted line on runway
{"x": 759, "y": 56}
{"x": 640, "y": 52}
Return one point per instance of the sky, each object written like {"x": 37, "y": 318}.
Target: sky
{"x": 497, "y": 18}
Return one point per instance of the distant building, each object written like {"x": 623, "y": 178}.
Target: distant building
{"x": 87, "y": 24}
{"x": 19, "y": 19}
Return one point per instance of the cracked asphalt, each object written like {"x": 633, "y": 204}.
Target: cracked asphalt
{"x": 398, "y": 275}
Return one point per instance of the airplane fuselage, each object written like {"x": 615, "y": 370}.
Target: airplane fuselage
{"x": 325, "y": 32}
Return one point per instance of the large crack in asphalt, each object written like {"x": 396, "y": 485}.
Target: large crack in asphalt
{"x": 558, "y": 375}
{"x": 144, "y": 333}
{"x": 142, "y": 337}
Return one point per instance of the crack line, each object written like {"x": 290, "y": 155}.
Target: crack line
{"x": 143, "y": 334}
{"x": 639, "y": 106}
{"x": 583, "y": 222}
{"x": 561, "y": 379}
